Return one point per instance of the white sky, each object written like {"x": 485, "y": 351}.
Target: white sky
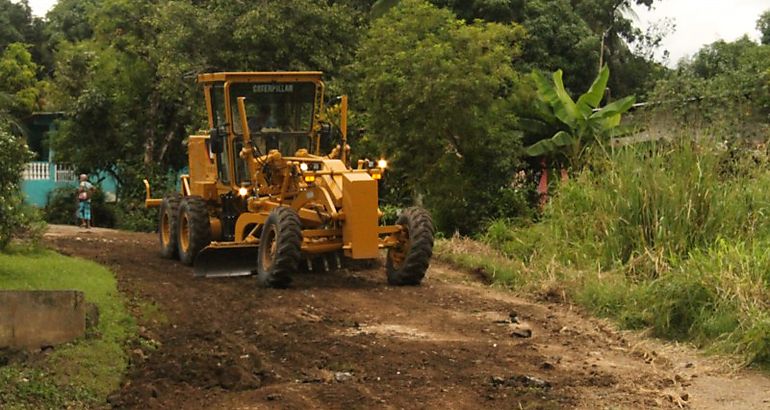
{"x": 698, "y": 22}
{"x": 40, "y": 7}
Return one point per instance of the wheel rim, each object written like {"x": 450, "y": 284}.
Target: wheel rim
{"x": 165, "y": 229}
{"x": 184, "y": 232}
{"x": 268, "y": 255}
{"x": 397, "y": 254}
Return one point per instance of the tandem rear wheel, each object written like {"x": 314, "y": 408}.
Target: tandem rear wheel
{"x": 194, "y": 228}
{"x": 168, "y": 226}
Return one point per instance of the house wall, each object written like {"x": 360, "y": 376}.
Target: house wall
{"x": 42, "y": 176}
{"x": 36, "y": 191}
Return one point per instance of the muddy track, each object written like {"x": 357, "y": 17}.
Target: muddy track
{"x": 347, "y": 340}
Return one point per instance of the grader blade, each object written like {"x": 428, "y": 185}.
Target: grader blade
{"x": 226, "y": 261}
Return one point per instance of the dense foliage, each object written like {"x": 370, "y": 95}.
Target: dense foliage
{"x": 447, "y": 111}
{"x": 14, "y": 217}
{"x": 763, "y": 25}
{"x": 61, "y": 208}
{"x": 723, "y": 89}
{"x": 440, "y": 93}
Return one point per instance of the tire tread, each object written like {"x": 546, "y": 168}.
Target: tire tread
{"x": 419, "y": 224}
{"x": 288, "y": 248}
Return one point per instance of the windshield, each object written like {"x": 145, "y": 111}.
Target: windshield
{"x": 274, "y": 107}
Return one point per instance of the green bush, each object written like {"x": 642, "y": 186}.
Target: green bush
{"x": 14, "y": 217}
{"x": 62, "y": 204}
{"x": 132, "y": 215}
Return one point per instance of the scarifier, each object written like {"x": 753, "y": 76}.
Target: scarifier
{"x": 261, "y": 198}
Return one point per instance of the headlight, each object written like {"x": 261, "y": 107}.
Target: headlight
{"x": 303, "y": 167}
{"x": 382, "y": 164}
{"x": 243, "y": 191}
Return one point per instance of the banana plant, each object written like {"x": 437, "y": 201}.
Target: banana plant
{"x": 581, "y": 124}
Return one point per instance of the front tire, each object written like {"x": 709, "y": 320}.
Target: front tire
{"x": 194, "y": 228}
{"x": 407, "y": 262}
{"x": 168, "y": 226}
{"x": 279, "y": 248}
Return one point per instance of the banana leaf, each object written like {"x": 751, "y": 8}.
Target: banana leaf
{"x": 593, "y": 97}
{"x": 548, "y": 146}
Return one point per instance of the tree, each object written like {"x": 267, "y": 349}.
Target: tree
{"x": 117, "y": 119}
{"x": 13, "y": 155}
{"x": 438, "y": 95}
{"x": 68, "y": 21}
{"x": 576, "y": 36}
{"x": 18, "y": 81}
{"x": 126, "y": 70}
{"x": 17, "y": 25}
{"x": 763, "y": 25}
{"x": 558, "y": 38}
{"x": 583, "y": 123}
{"x": 723, "y": 88}
{"x": 15, "y": 19}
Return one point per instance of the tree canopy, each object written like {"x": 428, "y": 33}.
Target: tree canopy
{"x": 439, "y": 93}
{"x": 18, "y": 80}
{"x": 763, "y": 25}
{"x": 441, "y": 86}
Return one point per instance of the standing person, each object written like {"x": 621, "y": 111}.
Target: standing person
{"x": 85, "y": 190}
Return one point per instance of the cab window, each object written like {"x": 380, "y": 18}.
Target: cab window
{"x": 280, "y": 115}
{"x": 218, "y": 108}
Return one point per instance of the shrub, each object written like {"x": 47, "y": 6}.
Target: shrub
{"x": 61, "y": 208}
{"x": 13, "y": 155}
{"x": 133, "y": 216}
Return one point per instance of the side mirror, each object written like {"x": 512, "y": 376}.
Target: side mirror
{"x": 215, "y": 141}
{"x": 325, "y": 132}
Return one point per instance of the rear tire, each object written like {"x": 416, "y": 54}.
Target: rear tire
{"x": 407, "y": 263}
{"x": 279, "y": 248}
{"x": 168, "y": 226}
{"x": 194, "y": 228}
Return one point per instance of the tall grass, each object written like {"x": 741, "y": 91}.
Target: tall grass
{"x": 668, "y": 237}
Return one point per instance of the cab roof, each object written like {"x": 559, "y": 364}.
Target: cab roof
{"x": 262, "y": 77}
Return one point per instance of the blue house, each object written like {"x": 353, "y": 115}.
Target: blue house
{"x": 44, "y": 174}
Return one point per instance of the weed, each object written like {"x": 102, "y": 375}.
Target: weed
{"x": 671, "y": 237}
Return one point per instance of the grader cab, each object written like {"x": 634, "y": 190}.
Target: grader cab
{"x": 267, "y": 191}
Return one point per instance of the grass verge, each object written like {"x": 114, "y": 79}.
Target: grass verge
{"x": 670, "y": 238}
{"x": 80, "y": 374}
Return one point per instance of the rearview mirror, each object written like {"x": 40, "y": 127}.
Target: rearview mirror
{"x": 325, "y": 132}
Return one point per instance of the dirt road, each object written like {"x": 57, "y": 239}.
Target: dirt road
{"x": 347, "y": 340}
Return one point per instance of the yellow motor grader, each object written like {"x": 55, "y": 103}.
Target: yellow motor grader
{"x": 268, "y": 191}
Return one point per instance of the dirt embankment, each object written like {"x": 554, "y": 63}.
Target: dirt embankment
{"x": 347, "y": 340}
